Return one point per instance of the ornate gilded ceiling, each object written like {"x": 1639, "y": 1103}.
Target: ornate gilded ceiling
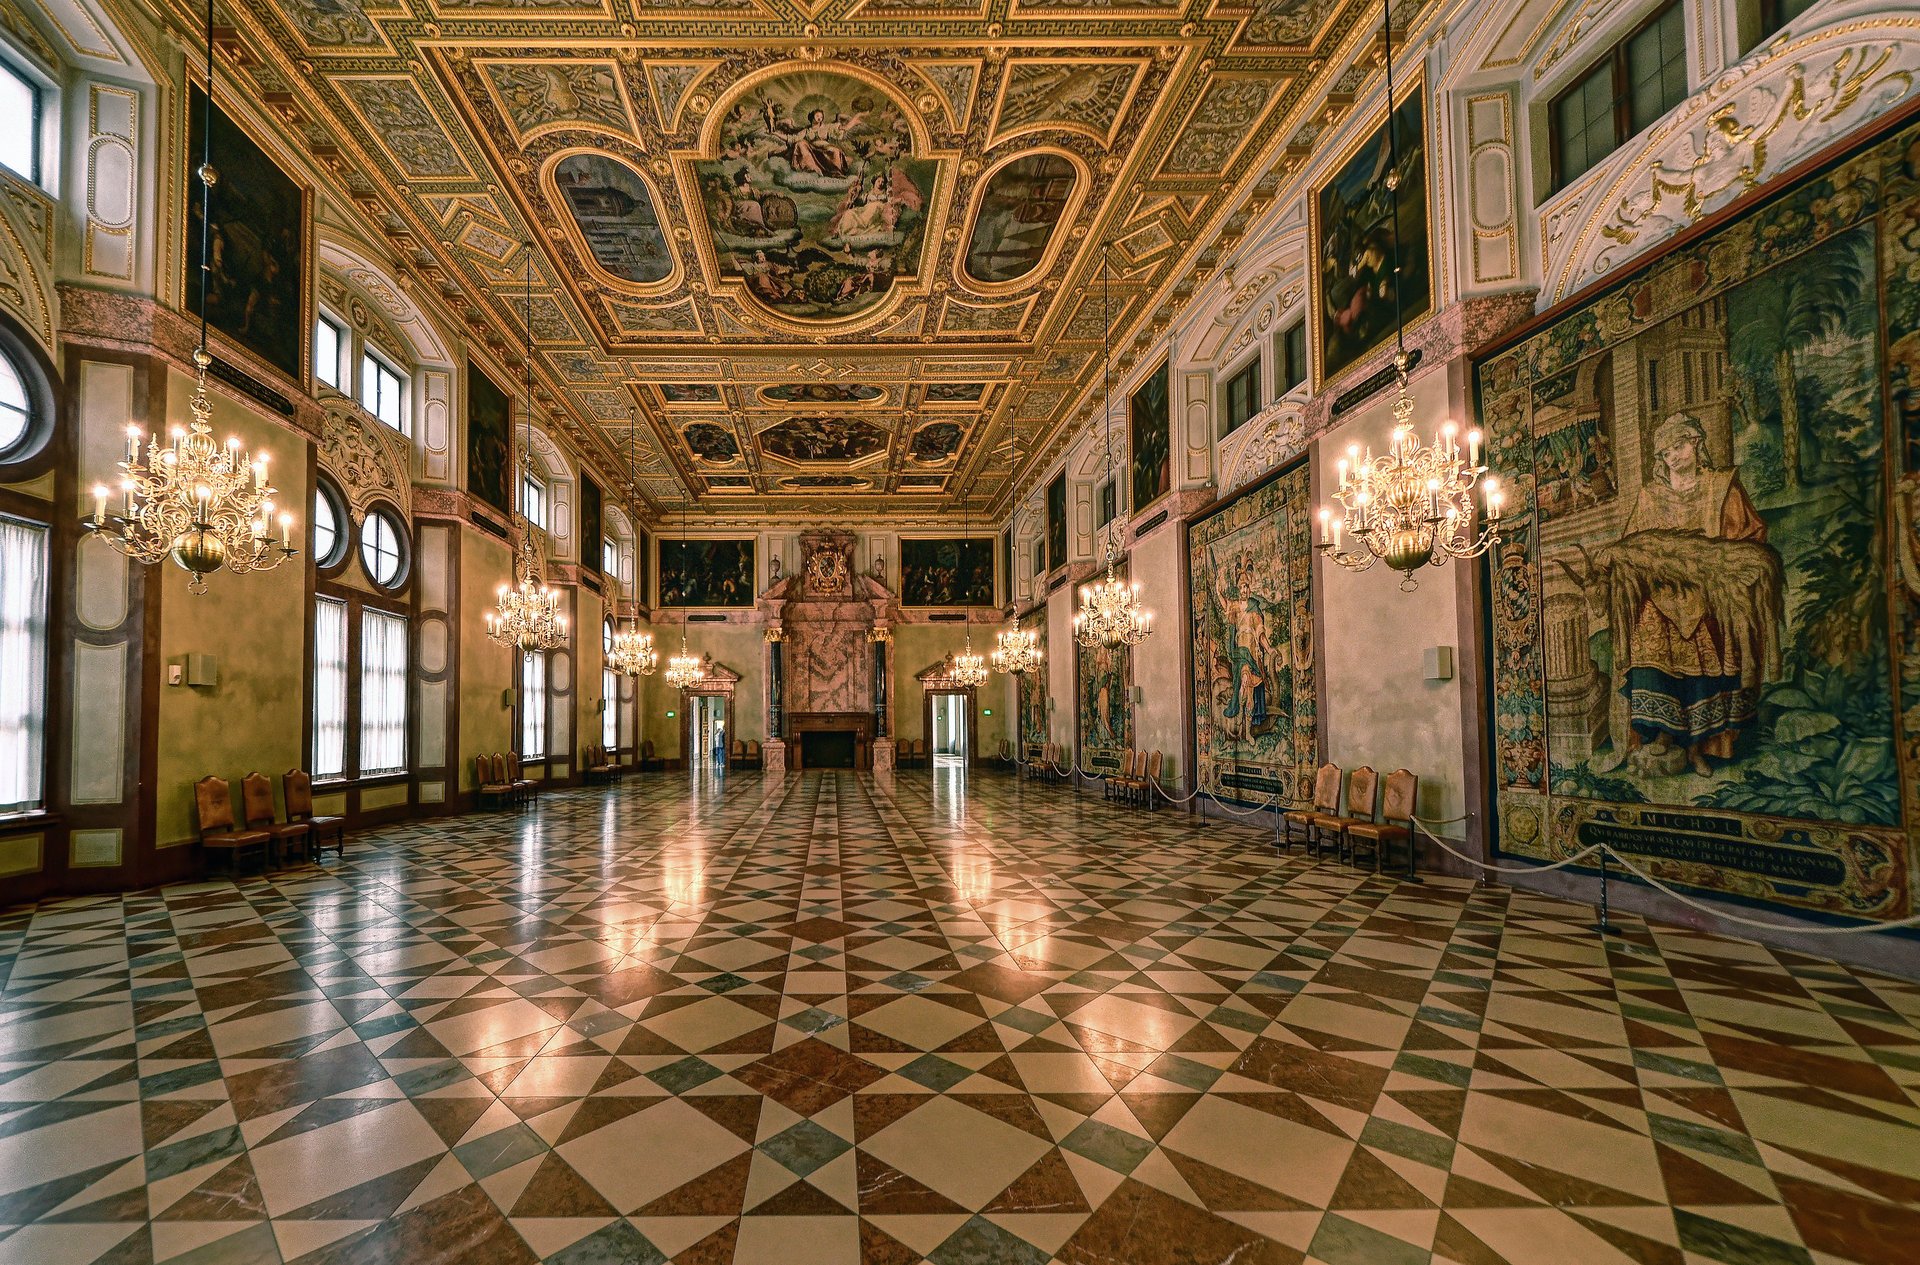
{"x": 824, "y": 254}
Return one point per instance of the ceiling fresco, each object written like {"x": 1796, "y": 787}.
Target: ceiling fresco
{"x": 866, "y": 208}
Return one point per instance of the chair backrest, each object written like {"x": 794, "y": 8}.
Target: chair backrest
{"x": 737, "y": 747}
{"x": 1006, "y": 751}
{"x": 296, "y": 788}
{"x": 1126, "y": 762}
{"x": 213, "y": 804}
{"x": 646, "y": 749}
{"x": 1402, "y": 789}
{"x": 1153, "y": 766}
{"x": 753, "y": 748}
{"x": 483, "y": 771}
{"x": 256, "y": 799}
{"x": 1363, "y": 792}
{"x": 513, "y": 766}
{"x": 1326, "y": 788}
{"x": 499, "y": 766}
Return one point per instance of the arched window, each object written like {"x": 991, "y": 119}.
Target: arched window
{"x": 329, "y": 532}
{"x": 383, "y": 549}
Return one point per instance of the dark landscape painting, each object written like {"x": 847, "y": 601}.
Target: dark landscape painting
{"x": 1057, "y": 521}
{"x": 489, "y": 428}
{"x": 256, "y": 288}
{"x": 591, "y": 516}
{"x": 1353, "y": 227}
{"x": 1022, "y": 207}
{"x": 706, "y": 573}
{"x": 954, "y": 572}
{"x": 1706, "y": 608}
{"x": 1148, "y": 418}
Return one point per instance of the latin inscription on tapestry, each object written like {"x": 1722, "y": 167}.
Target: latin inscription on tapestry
{"x": 256, "y": 286}
{"x": 489, "y": 425}
{"x": 1057, "y": 522}
{"x": 1353, "y": 236}
{"x": 706, "y": 573}
{"x": 1704, "y": 618}
{"x": 1147, "y": 415}
{"x": 1254, "y": 696}
{"x": 816, "y": 201}
{"x": 1104, "y": 677}
{"x": 946, "y": 572}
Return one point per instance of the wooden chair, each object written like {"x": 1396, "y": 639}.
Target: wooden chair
{"x": 753, "y": 759}
{"x": 1297, "y": 823}
{"x": 649, "y": 759}
{"x": 1395, "y": 824}
{"x": 594, "y": 766}
{"x": 1363, "y": 806}
{"x": 492, "y": 789}
{"x": 296, "y": 788}
{"x": 524, "y": 787}
{"x": 1133, "y": 768}
{"x": 1150, "y": 784}
{"x": 256, "y": 804}
{"x": 736, "y": 754}
{"x": 213, "y": 812}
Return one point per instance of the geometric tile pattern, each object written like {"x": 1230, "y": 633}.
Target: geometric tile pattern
{"x": 823, "y": 1019}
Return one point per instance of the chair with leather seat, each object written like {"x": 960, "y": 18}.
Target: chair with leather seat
{"x": 649, "y": 758}
{"x": 594, "y": 766}
{"x": 1150, "y": 784}
{"x": 256, "y": 805}
{"x": 1395, "y": 825}
{"x": 1363, "y": 805}
{"x": 753, "y": 758}
{"x": 491, "y": 788}
{"x": 1298, "y": 823}
{"x": 213, "y": 814}
{"x": 525, "y": 787}
{"x": 296, "y": 788}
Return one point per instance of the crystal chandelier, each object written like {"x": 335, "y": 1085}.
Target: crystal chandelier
{"x": 1110, "y": 611}
{"x": 527, "y": 614}
{"x": 632, "y": 652}
{"x": 204, "y": 505}
{"x": 1018, "y": 652}
{"x": 685, "y": 669}
{"x": 1414, "y": 505}
{"x": 966, "y": 668}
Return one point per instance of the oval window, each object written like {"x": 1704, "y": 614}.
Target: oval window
{"x": 329, "y": 541}
{"x": 383, "y": 549}
{"x": 16, "y": 415}
{"x": 1019, "y": 213}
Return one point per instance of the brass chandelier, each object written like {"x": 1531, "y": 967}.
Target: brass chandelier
{"x": 1018, "y": 651}
{"x": 685, "y": 670}
{"x": 526, "y": 614}
{"x": 1110, "y": 611}
{"x": 1413, "y": 506}
{"x": 632, "y": 653}
{"x": 966, "y": 669}
{"x": 200, "y": 503}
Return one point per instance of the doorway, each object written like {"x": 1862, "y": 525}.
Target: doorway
{"x": 707, "y": 732}
{"x": 950, "y": 729}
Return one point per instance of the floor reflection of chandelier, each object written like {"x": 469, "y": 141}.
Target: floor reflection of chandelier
{"x": 1414, "y": 505}
{"x": 526, "y": 613}
{"x": 1110, "y": 611}
{"x": 632, "y": 653}
{"x": 1018, "y": 652}
{"x": 685, "y": 669}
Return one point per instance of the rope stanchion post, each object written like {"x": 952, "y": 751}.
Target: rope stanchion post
{"x": 1604, "y": 925}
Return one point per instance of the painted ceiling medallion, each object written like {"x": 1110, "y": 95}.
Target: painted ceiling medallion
{"x": 816, "y": 196}
{"x": 612, "y": 206}
{"x": 824, "y": 439}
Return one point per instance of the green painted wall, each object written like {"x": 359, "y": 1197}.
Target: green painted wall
{"x": 917, "y": 647}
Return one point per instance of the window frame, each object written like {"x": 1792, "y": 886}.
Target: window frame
{"x": 1249, "y": 375}
{"x": 527, "y": 715}
{"x": 345, "y": 546}
{"x": 383, "y": 368}
{"x": 531, "y": 483}
{"x": 40, "y": 626}
{"x": 1615, "y": 57}
{"x": 330, "y": 777}
{"x": 610, "y": 556}
{"x": 403, "y": 546}
{"x": 1769, "y": 18}
{"x": 32, "y": 451}
{"x": 1292, "y": 374}
{"x": 370, "y": 612}
{"x": 357, "y": 602}
{"x": 342, "y": 342}
{"x": 38, "y": 92}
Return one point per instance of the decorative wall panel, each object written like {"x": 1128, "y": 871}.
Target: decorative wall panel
{"x": 1705, "y": 614}
{"x": 1255, "y": 681}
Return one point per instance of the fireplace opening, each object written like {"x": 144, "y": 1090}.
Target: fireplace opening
{"x": 827, "y": 749}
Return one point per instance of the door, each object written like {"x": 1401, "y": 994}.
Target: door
{"x": 949, "y": 737}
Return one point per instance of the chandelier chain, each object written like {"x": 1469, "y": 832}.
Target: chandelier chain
{"x": 526, "y": 613}
{"x": 1110, "y": 612}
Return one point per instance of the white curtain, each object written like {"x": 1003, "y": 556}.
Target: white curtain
{"x": 23, "y": 652}
{"x": 610, "y": 715}
{"x": 329, "y": 688}
{"x": 533, "y": 705}
{"x": 383, "y": 693}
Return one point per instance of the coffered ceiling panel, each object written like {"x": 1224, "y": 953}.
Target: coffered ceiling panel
{"x": 818, "y": 255}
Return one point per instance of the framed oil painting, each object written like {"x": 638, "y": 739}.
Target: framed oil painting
{"x": 1057, "y": 522}
{"x": 946, "y": 572}
{"x": 1255, "y": 706}
{"x": 256, "y": 289}
{"x": 1103, "y": 679}
{"x": 1705, "y": 616}
{"x": 706, "y": 573}
{"x": 489, "y": 430}
{"x": 1353, "y": 242}
{"x": 1149, "y": 424}
{"x": 590, "y": 522}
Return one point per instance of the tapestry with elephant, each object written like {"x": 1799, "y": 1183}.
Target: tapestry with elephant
{"x": 1705, "y": 618}
{"x": 1249, "y": 568}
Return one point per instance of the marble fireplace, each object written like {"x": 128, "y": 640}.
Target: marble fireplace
{"x": 826, "y": 662}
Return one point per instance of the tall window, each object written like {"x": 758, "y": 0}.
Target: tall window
{"x": 1109, "y": 502}
{"x": 1293, "y": 356}
{"x": 610, "y": 709}
{"x": 329, "y": 688}
{"x": 327, "y": 337}
{"x": 610, "y": 557}
{"x": 383, "y": 693}
{"x": 1243, "y": 398}
{"x": 19, "y": 140}
{"x": 533, "y": 501}
{"x": 382, "y": 391}
{"x": 533, "y": 706}
{"x": 23, "y": 649}
{"x": 1638, "y": 80}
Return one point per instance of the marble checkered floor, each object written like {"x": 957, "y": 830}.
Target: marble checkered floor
{"x": 824, "y": 1020}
